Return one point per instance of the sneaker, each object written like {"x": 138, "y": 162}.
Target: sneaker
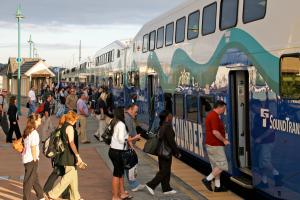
{"x": 220, "y": 189}
{"x": 171, "y": 192}
{"x": 139, "y": 187}
{"x": 207, "y": 184}
{"x": 150, "y": 190}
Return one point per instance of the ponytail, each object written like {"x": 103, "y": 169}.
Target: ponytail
{"x": 30, "y": 125}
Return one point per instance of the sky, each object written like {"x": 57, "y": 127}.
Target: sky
{"x": 57, "y": 26}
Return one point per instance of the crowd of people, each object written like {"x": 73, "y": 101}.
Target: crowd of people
{"x": 77, "y": 104}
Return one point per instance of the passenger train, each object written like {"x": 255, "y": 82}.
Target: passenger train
{"x": 245, "y": 52}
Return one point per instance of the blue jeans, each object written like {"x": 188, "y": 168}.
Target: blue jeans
{"x": 132, "y": 184}
{"x": 31, "y": 108}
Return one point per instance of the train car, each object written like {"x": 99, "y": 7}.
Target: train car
{"x": 245, "y": 52}
{"x": 109, "y": 67}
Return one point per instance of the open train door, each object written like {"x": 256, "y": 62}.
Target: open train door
{"x": 239, "y": 95}
{"x": 151, "y": 86}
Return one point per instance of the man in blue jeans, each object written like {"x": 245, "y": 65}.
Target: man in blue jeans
{"x": 130, "y": 115}
{"x": 32, "y": 100}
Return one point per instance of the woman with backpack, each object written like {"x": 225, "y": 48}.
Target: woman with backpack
{"x": 70, "y": 159}
{"x": 58, "y": 170}
{"x": 30, "y": 158}
{"x": 13, "y": 120}
{"x": 117, "y": 147}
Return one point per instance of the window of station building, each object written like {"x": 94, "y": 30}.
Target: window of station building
{"x": 192, "y": 108}
{"x": 160, "y": 38}
{"x": 290, "y": 76}
{"x": 145, "y": 43}
{"x": 193, "y": 25}
{"x": 207, "y": 104}
{"x": 180, "y": 30}
{"x": 152, "y": 40}
{"x": 254, "y": 10}
{"x": 179, "y": 105}
{"x": 169, "y": 34}
{"x": 209, "y": 19}
{"x": 229, "y": 14}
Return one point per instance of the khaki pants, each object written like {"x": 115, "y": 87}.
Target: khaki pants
{"x": 101, "y": 125}
{"x": 69, "y": 179}
{"x": 83, "y": 136}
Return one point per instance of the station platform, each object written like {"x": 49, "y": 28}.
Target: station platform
{"x": 95, "y": 181}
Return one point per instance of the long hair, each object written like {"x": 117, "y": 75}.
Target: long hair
{"x": 61, "y": 121}
{"x": 162, "y": 116}
{"x": 12, "y": 100}
{"x": 119, "y": 115}
{"x": 71, "y": 117}
{"x": 30, "y": 125}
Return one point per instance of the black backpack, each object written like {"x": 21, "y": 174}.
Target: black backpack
{"x": 108, "y": 132}
{"x": 53, "y": 145}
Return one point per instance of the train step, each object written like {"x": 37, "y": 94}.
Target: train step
{"x": 242, "y": 181}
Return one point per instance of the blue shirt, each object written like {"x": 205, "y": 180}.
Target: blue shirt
{"x": 81, "y": 105}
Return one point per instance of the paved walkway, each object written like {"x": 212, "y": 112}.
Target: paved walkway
{"x": 95, "y": 182}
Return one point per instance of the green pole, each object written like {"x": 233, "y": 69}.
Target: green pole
{"x": 19, "y": 16}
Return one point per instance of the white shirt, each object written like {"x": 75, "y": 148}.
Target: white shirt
{"x": 119, "y": 137}
{"x": 33, "y": 139}
{"x": 31, "y": 95}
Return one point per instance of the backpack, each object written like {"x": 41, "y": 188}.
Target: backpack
{"x": 53, "y": 145}
{"x": 108, "y": 132}
{"x": 41, "y": 108}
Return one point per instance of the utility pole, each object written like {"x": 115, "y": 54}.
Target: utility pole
{"x": 19, "y": 16}
{"x": 79, "y": 51}
{"x": 30, "y": 46}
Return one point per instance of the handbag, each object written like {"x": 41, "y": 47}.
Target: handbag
{"x": 164, "y": 150}
{"x": 132, "y": 173}
{"x": 151, "y": 144}
{"x": 129, "y": 158}
{"x": 18, "y": 145}
{"x": 4, "y": 123}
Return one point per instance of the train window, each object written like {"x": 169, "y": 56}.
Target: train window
{"x": 133, "y": 79}
{"x": 169, "y": 34}
{"x": 152, "y": 40}
{"x": 209, "y": 19}
{"x": 192, "y": 108}
{"x": 112, "y": 55}
{"x": 179, "y": 105}
{"x": 229, "y": 14}
{"x": 180, "y": 30}
{"x": 254, "y": 10}
{"x": 290, "y": 76}
{"x": 145, "y": 43}
{"x": 207, "y": 104}
{"x": 193, "y": 25}
{"x": 118, "y": 53}
{"x": 160, "y": 38}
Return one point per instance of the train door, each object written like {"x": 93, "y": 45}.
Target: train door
{"x": 239, "y": 90}
{"x": 151, "y": 84}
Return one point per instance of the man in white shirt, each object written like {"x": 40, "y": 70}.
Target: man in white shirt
{"x": 32, "y": 100}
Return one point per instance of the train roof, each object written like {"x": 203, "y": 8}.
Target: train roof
{"x": 120, "y": 43}
{"x": 168, "y": 13}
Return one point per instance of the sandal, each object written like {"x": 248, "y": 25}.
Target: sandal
{"x": 127, "y": 197}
